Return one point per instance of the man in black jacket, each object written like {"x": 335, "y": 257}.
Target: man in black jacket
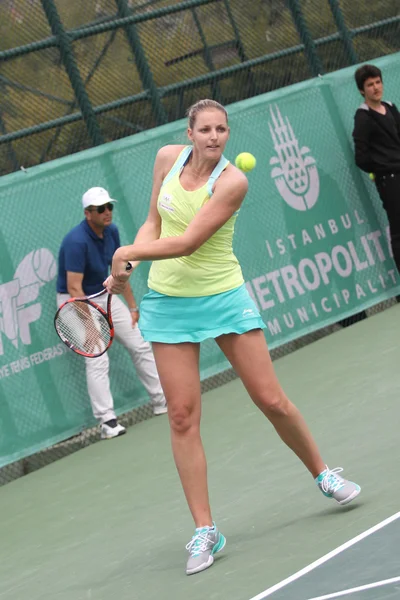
{"x": 376, "y": 137}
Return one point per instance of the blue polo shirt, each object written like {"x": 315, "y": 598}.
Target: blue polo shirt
{"x": 83, "y": 251}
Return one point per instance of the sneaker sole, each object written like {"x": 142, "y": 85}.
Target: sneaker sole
{"x": 160, "y": 410}
{"x": 350, "y": 498}
{"x": 111, "y": 437}
{"x": 202, "y": 567}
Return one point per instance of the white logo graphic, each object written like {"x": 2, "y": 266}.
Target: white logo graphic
{"x": 165, "y": 202}
{"x": 17, "y": 297}
{"x": 248, "y": 312}
{"x": 297, "y": 177}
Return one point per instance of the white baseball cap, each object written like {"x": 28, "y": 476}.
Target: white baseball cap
{"x": 96, "y": 196}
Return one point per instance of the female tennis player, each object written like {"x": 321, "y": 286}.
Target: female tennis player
{"x": 197, "y": 291}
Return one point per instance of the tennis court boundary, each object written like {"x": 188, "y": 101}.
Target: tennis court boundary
{"x": 326, "y": 558}
{"x": 360, "y": 588}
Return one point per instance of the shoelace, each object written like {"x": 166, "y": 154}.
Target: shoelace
{"x": 332, "y": 482}
{"x": 199, "y": 543}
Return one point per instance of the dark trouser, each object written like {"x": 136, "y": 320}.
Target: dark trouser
{"x": 388, "y": 187}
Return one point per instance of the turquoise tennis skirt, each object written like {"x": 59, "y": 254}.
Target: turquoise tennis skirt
{"x": 175, "y": 319}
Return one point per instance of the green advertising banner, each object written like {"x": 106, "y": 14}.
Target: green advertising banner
{"x": 314, "y": 247}
{"x": 311, "y": 236}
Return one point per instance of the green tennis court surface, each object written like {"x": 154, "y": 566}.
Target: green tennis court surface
{"x": 111, "y": 520}
{"x": 365, "y": 568}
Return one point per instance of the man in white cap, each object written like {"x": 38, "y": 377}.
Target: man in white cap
{"x": 83, "y": 264}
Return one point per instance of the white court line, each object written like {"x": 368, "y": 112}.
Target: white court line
{"x": 368, "y": 586}
{"x": 325, "y": 558}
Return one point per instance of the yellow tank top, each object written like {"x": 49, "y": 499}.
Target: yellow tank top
{"x": 213, "y": 268}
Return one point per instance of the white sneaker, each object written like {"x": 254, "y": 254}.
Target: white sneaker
{"x": 334, "y": 486}
{"x": 111, "y": 429}
{"x": 206, "y": 542}
{"x": 160, "y": 409}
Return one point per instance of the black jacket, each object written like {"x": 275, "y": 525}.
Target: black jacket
{"x": 377, "y": 140}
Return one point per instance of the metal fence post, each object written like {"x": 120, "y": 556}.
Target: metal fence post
{"x": 72, "y": 70}
{"x": 216, "y": 91}
{"x": 74, "y": 104}
{"x": 141, "y": 64}
{"x": 314, "y": 61}
{"x": 13, "y": 157}
{"x": 344, "y": 32}
{"x": 240, "y": 48}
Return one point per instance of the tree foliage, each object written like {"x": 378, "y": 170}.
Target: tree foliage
{"x": 35, "y": 87}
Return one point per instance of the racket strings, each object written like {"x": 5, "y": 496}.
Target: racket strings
{"x": 83, "y": 327}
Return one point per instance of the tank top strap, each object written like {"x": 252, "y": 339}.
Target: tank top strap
{"x": 222, "y": 164}
{"x": 178, "y": 164}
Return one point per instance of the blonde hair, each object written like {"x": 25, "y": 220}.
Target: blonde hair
{"x": 203, "y": 105}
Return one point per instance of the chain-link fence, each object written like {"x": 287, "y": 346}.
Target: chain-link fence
{"x": 76, "y": 74}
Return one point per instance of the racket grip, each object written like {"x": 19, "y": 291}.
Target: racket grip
{"x": 128, "y": 267}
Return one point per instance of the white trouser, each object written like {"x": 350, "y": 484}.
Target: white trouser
{"x": 97, "y": 369}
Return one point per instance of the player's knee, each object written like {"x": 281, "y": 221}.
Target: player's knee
{"x": 181, "y": 418}
{"x": 275, "y": 404}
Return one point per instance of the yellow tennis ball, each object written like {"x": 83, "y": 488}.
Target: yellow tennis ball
{"x": 372, "y": 176}
{"x": 245, "y": 161}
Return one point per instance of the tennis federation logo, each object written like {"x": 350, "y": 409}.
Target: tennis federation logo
{"x": 296, "y": 177}
{"x": 18, "y": 306}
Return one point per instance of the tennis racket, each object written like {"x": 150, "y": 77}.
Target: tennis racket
{"x": 84, "y": 326}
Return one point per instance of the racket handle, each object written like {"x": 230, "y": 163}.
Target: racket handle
{"x": 128, "y": 267}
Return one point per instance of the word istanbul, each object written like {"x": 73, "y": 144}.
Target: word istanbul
{"x": 322, "y": 269}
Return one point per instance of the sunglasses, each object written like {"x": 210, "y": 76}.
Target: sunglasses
{"x": 102, "y": 208}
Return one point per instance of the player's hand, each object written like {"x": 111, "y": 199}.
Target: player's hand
{"x": 121, "y": 269}
{"x": 115, "y": 286}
